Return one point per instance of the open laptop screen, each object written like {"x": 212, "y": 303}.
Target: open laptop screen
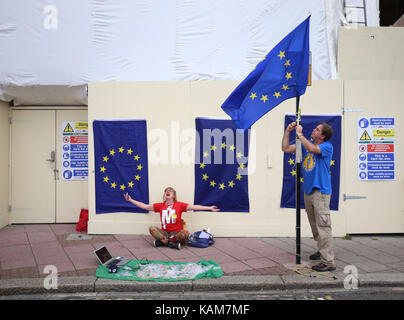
{"x": 103, "y": 254}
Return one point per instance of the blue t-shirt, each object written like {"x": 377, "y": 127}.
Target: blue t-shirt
{"x": 316, "y": 169}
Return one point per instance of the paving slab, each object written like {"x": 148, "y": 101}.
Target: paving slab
{"x": 78, "y": 237}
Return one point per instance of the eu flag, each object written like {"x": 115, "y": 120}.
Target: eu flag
{"x": 309, "y": 122}
{"x": 221, "y": 165}
{"x": 120, "y": 150}
{"x": 281, "y": 75}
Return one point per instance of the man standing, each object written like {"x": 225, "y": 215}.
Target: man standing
{"x": 317, "y": 187}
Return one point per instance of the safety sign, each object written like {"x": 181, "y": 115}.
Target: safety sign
{"x": 376, "y": 148}
{"x": 75, "y": 150}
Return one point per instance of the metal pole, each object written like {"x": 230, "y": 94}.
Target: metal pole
{"x": 298, "y": 167}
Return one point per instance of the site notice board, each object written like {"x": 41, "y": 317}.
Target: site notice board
{"x": 376, "y": 148}
{"x": 75, "y": 150}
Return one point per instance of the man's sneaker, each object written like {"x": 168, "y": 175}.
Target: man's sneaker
{"x": 315, "y": 256}
{"x": 174, "y": 245}
{"x": 321, "y": 267}
{"x": 158, "y": 243}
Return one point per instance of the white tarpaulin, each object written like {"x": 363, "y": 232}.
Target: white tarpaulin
{"x": 62, "y": 45}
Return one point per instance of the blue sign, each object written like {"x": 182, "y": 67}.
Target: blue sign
{"x": 78, "y": 173}
{"x": 75, "y": 150}
{"x": 363, "y": 123}
{"x": 79, "y": 147}
{"x": 376, "y": 155}
{"x": 381, "y": 157}
{"x": 78, "y": 164}
{"x": 378, "y": 166}
{"x": 382, "y": 121}
{"x": 362, "y": 175}
{"x": 381, "y": 175}
{"x": 78, "y": 156}
{"x": 67, "y": 174}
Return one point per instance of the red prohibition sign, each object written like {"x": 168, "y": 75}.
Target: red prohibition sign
{"x": 66, "y": 139}
{"x": 362, "y": 148}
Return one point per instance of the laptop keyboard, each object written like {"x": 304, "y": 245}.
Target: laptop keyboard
{"x": 115, "y": 261}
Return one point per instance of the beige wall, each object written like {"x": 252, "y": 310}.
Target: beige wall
{"x": 170, "y": 109}
{"x": 382, "y": 211}
{"x": 370, "y": 60}
{"x": 4, "y": 160}
{"x": 371, "y": 53}
{"x": 172, "y": 106}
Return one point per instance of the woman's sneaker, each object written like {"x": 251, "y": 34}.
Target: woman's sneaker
{"x": 315, "y": 256}
{"x": 158, "y": 243}
{"x": 174, "y": 245}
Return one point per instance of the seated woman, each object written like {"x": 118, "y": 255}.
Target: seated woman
{"x": 172, "y": 231}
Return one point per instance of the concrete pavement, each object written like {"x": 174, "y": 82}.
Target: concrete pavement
{"x": 27, "y": 251}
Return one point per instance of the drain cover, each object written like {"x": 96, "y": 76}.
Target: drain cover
{"x": 78, "y": 236}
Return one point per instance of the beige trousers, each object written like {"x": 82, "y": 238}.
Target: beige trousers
{"x": 318, "y": 212}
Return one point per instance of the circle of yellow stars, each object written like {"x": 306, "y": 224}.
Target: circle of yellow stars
{"x": 223, "y": 184}
{"x": 277, "y": 94}
{"x": 118, "y": 185}
{"x": 291, "y": 162}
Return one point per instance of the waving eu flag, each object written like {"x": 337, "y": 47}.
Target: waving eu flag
{"x": 120, "y": 150}
{"x": 309, "y": 122}
{"x": 221, "y": 165}
{"x": 281, "y": 75}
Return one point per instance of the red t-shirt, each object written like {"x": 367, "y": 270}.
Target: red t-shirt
{"x": 171, "y": 216}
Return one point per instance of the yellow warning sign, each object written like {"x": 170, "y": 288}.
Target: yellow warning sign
{"x": 365, "y": 136}
{"x": 384, "y": 133}
{"x": 81, "y": 126}
{"x": 68, "y": 128}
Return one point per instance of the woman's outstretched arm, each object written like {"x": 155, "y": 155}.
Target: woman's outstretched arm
{"x": 196, "y": 207}
{"x": 141, "y": 205}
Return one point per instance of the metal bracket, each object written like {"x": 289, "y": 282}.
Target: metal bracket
{"x": 52, "y": 157}
{"x": 352, "y": 110}
{"x": 56, "y": 174}
{"x": 353, "y": 197}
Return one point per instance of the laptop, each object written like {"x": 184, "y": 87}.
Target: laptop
{"x": 105, "y": 258}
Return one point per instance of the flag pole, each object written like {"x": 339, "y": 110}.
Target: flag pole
{"x": 298, "y": 167}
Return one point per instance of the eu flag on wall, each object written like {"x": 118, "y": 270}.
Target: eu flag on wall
{"x": 309, "y": 122}
{"x": 221, "y": 165}
{"x": 120, "y": 150}
{"x": 281, "y": 75}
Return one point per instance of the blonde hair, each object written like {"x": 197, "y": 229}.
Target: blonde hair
{"x": 173, "y": 190}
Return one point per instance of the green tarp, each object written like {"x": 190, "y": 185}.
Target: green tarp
{"x": 144, "y": 270}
